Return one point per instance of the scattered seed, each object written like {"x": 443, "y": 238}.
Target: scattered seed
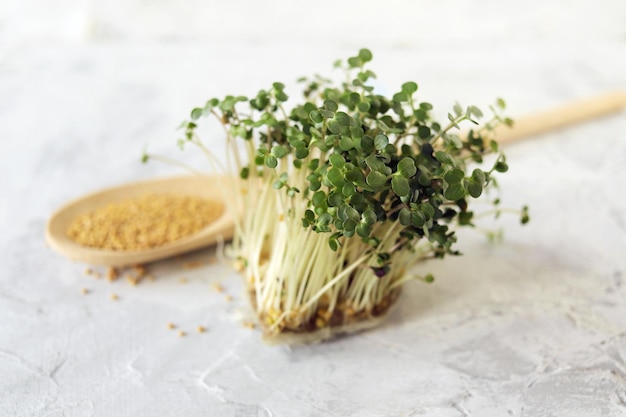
{"x": 201, "y": 329}
{"x": 192, "y": 265}
{"x": 140, "y": 271}
{"x": 183, "y": 280}
{"x": 229, "y": 298}
{"x": 249, "y": 325}
{"x": 181, "y": 333}
{"x": 132, "y": 280}
{"x": 115, "y": 297}
{"x": 93, "y": 273}
{"x": 112, "y": 274}
{"x": 171, "y": 326}
{"x": 218, "y": 288}
{"x": 84, "y": 291}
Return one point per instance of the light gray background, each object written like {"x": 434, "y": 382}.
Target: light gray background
{"x": 532, "y": 327}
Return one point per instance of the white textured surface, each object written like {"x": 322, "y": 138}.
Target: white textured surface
{"x": 533, "y": 327}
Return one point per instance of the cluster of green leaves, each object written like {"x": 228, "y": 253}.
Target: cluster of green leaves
{"x": 368, "y": 158}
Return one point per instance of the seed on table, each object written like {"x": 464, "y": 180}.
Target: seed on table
{"x": 112, "y": 274}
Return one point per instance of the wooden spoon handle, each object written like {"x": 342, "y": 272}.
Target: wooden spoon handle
{"x": 570, "y": 113}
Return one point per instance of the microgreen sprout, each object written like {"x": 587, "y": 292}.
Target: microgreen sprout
{"x": 344, "y": 192}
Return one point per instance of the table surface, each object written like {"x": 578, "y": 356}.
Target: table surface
{"x": 534, "y": 326}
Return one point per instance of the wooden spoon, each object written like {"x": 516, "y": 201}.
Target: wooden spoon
{"x": 201, "y": 186}
{"x": 208, "y": 186}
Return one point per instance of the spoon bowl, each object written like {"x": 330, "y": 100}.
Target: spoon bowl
{"x": 209, "y": 187}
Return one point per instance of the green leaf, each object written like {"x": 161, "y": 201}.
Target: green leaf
{"x": 349, "y": 226}
{"x": 458, "y": 110}
{"x": 335, "y": 199}
{"x": 363, "y": 106}
{"x": 501, "y": 166}
{"x": 367, "y": 144}
{"x": 381, "y": 141}
{"x": 455, "y": 192}
{"x": 475, "y": 111}
{"x": 443, "y": 157}
{"x": 271, "y": 161}
{"x": 454, "y": 176}
{"x": 376, "y": 179}
{"x": 348, "y": 189}
{"x": 427, "y": 209}
{"x": 331, "y": 105}
{"x": 245, "y": 172}
{"x": 327, "y": 114}
{"x": 316, "y": 116}
{"x": 365, "y": 55}
{"x": 465, "y": 218}
{"x": 356, "y": 132}
{"x": 343, "y": 118}
{"x": 334, "y": 126}
{"x": 368, "y": 217}
{"x": 404, "y": 216}
{"x": 525, "y": 218}
{"x": 279, "y": 151}
{"x": 346, "y": 143}
{"x": 353, "y": 214}
{"x": 406, "y": 167}
{"x": 374, "y": 163}
{"x": 478, "y": 175}
{"x": 335, "y": 176}
{"x": 409, "y": 88}
{"x": 319, "y": 199}
{"x": 337, "y": 160}
{"x": 417, "y": 219}
{"x": 401, "y": 97}
{"x": 355, "y": 62}
{"x": 423, "y": 132}
{"x": 475, "y": 189}
{"x": 400, "y": 186}
{"x": 197, "y": 113}
{"x": 302, "y": 153}
{"x": 363, "y": 230}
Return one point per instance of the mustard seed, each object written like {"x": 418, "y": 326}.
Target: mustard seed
{"x": 144, "y": 222}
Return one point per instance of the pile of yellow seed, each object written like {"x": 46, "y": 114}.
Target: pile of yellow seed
{"x": 144, "y": 222}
